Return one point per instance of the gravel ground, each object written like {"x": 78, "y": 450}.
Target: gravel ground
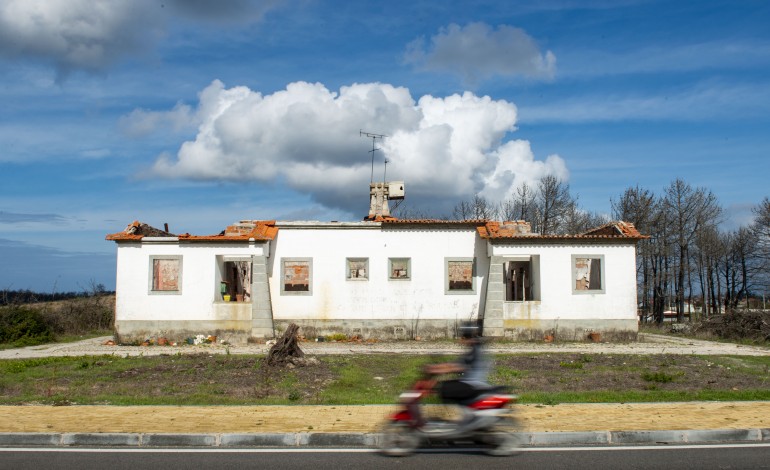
{"x": 647, "y": 344}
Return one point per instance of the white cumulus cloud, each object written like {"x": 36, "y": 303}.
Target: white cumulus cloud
{"x": 308, "y": 137}
{"x": 75, "y": 34}
{"x": 477, "y": 51}
{"x": 92, "y": 35}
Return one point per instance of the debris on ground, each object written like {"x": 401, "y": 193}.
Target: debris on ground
{"x": 750, "y": 325}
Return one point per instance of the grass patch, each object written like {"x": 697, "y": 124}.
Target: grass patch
{"x": 571, "y": 365}
{"x": 657, "y": 377}
{"x": 373, "y": 379}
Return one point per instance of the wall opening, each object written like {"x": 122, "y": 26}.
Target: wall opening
{"x": 234, "y": 280}
{"x": 521, "y": 277}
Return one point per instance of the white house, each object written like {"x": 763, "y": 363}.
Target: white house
{"x": 383, "y": 278}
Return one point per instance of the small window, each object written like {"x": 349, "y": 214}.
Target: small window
{"x": 297, "y": 274}
{"x": 588, "y": 274}
{"x": 399, "y": 269}
{"x": 357, "y": 269}
{"x": 166, "y": 274}
{"x": 459, "y": 276}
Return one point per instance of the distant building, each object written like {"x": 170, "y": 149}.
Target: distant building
{"x": 378, "y": 278}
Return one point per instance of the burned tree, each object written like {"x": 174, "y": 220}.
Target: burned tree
{"x": 286, "y": 349}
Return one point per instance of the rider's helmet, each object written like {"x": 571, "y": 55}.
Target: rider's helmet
{"x": 469, "y": 330}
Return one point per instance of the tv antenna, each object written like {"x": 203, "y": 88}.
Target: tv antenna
{"x": 374, "y": 138}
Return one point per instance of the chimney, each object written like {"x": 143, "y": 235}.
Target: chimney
{"x": 380, "y": 194}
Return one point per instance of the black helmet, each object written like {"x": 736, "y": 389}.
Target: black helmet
{"x": 469, "y": 330}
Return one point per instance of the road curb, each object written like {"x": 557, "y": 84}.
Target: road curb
{"x": 366, "y": 440}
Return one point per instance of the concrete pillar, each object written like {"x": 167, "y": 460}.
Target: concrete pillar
{"x": 493, "y": 310}
{"x": 261, "y": 305}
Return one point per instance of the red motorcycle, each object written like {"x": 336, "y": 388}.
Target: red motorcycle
{"x": 483, "y": 417}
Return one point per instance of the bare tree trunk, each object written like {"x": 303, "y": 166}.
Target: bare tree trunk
{"x": 285, "y": 348}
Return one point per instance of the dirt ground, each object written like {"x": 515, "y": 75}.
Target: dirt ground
{"x": 266, "y": 419}
{"x": 307, "y": 418}
{"x": 647, "y": 344}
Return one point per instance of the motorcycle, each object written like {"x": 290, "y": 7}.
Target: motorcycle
{"x": 485, "y": 418}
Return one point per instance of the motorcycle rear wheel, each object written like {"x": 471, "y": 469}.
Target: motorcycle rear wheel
{"x": 501, "y": 443}
{"x": 398, "y": 440}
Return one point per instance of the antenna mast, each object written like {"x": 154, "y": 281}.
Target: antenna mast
{"x": 374, "y": 138}
{"x": 385, "y": 173}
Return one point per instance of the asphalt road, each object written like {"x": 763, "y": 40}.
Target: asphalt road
{"x": 627, "y": 458}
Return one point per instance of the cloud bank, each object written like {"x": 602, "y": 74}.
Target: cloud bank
{"x": 92, "y": 35}
{"x": 477, "y": 51}
{"x": 307, "y": 136}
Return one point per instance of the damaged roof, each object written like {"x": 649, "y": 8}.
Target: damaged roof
{"x": 519, "y": 229}
{"x": 245, "y": 230}
{"x": 625, "y": 229}
{"x": 137, "y": 230}
{"x": 264, "y": 230}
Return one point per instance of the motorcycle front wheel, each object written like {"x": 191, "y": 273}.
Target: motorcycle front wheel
{"x": 398, "y": 440}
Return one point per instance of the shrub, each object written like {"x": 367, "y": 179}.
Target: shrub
{"x": 80, "y": 316}
{"x": 21, "y": 326}
{"x": 571, "y": 365}
{"x": 657, "y": 377}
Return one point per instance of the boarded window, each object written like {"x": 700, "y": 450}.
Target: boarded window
{"x": 358, "y": 269}
{"x": 165, "y": 275}
{"x": 399, "y": 268}
{"x": 460, "y": 275}
{"x": 588, "y": 273}
{"x": 296, "y": 276}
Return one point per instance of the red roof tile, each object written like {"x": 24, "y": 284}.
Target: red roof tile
{"x": 245, "y": 230}
{"x": 136, "y": 231}
{"x": 260, "y": 230}
{"x": 618, "y": 230}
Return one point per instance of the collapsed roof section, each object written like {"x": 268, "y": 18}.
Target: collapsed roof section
{"x": 245, "y": 230}
{"x": 519, "y": 229}
{"x": 137, "y": 230}
{"x": 265, "y": 230}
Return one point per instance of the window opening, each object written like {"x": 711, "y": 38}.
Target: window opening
{"x": 518, "y": 281}
{"x": 358, "y": 269}
{"x": 296, "y": 276}
{"x": 165, "y": 274}
{"x": 588, "y": 273}
{"x": 460, "y": 275}
{"x": 399, "y": 268}
{"x": 236, "y": 282}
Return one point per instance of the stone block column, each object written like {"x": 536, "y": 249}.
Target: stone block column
{"x": 493, "y": 311}
{"x": 261, "y": 306}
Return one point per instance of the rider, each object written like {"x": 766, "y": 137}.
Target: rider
{"x": 473, "y": 367}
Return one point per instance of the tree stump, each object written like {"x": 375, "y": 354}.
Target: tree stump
{"x": 286, "y": 349}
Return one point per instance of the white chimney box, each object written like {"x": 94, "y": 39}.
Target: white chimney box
{"x": 396, "y": 190}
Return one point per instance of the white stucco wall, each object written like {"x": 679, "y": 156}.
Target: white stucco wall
{"x": 557, "y": 297}
{"x": 336, "y": 298}
{"x": 199, "y": 280}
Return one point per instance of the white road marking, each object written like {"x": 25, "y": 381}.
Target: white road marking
{"x": 358, "y": 450}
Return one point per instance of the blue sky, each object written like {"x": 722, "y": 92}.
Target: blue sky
{"x": 200, "y": 113}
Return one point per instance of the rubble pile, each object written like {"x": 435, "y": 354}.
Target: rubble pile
{"x": 746, "y": 325}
